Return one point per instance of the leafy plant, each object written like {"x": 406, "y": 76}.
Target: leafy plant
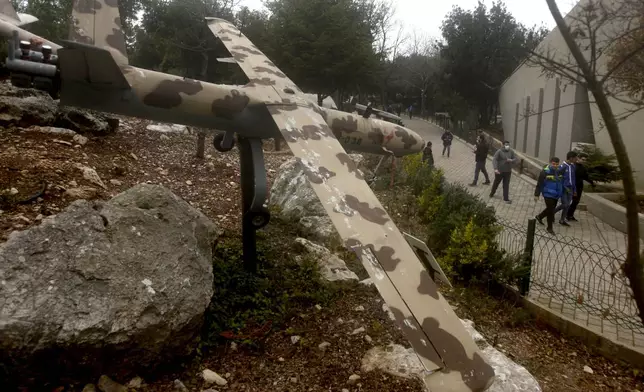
{"x": 601, "y": 167}
{"x": 418, "y": 174}
{"x": 453, "y": 208}
{"x": 468, "y": 246}
{"x": 243, "y": 302}
{"x": 430, "y": 200}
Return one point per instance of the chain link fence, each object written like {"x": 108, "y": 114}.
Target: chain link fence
{"x": 581, "y": 278}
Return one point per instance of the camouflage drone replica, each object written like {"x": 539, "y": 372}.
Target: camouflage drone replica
{"x": 91, "y": 71}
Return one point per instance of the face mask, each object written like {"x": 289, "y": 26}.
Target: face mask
{"x": 507, "y": 148}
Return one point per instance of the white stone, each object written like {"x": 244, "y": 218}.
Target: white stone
{"x": 80, "y": 139}
{"x": 211, "y": 377}
{"x": 404, "y": 362}
{"x": 332, "y": 267}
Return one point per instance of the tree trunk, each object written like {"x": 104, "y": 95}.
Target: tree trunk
{"x": 204, "y": 65}
{"x": 422, "y": 103}
{"x": 278, "y": 143}
{"x": 201, "y": 144}
{"x": 634, "y": 265}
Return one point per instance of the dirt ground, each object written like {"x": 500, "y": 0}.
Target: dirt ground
{"x": 306, "y": 365}
{"x": 133, "y": 155}
{"x": 557, "y": 362}
{"x": 130, "y": 156}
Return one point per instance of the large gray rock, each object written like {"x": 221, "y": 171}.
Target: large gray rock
{"x": 130, "y": 278}
{"x": 404, "y": 362}
{"x": 331, "y": 266}
{"x": 86, "y": 121}
{"x": 510, "y": 376}
{"x": 296, "y": 199}
{"x": 23, "y": 107}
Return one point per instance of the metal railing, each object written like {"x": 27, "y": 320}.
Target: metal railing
{"x": 575, "y": 275}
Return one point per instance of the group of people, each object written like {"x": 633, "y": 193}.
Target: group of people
{"x": 561, "y": 181}
{"x": 556, "y": 182}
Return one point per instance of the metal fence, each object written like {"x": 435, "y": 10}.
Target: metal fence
{"x": 583, "y": 280}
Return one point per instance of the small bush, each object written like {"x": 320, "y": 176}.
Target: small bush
{"x": 417, "y": 173}
{"x": 283, "y": 286}
{"x": 468, "y": 248}
{"x": 430, "y": 198}
{"x": 601, "y": 167}
{"x": 451, "y": 209}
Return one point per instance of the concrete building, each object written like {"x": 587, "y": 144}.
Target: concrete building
{"x": 547, "y": 115}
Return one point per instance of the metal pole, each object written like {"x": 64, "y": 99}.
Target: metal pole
{"x": 524, "y": 284}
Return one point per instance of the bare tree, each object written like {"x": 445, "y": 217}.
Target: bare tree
{"x": 594, "y": 35}
{"x": 422, "y": 64}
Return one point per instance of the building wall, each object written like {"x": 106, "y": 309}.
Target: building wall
{"x": 568, "y": 115}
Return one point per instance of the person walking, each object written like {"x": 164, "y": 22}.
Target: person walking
{"x": 447, "y": 138}
{"x": 480, "y": 158}
{"x": 581, "y": 175}
{"x": 569, "y": 186}
{"x": 428, "y": 155}
{"x": 550, "y": 185}
{"x": 503, "y": 160}
{"x": 410, "y": 110}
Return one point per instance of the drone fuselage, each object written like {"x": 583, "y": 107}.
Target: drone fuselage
{"x": 157, "y": 96}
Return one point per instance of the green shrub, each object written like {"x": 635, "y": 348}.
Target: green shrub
{"x": 416, "y": 173}
{"x": 601, "y": 167}
{"x": 453, "y": 209}
{"x": 468, "y": 248}
{"x": 462, "y": 231}
{"x": 282, "y": 287}
{"x": 430, "y": 199}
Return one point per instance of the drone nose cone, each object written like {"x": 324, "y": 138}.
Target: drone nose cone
{"x": 420, "y": 142}
{"x": 411, "y": 142}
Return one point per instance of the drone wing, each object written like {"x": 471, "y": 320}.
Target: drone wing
{"x": 430, "y": 324}
{"x": 98, "y": 23}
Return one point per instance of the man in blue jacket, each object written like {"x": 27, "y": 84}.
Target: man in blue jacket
{"x": 550, "y": 185}
{"x": 569, "y": 186}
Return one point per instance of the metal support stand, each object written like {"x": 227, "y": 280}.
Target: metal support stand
{"x": 254, "y": 190}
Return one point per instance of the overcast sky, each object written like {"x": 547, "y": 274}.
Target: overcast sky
{"x": 427, "y": 15}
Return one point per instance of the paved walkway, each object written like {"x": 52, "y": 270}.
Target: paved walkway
{"x": 577, "y": 274}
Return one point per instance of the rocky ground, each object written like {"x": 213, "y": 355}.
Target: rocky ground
{"x": 31, "y": 158}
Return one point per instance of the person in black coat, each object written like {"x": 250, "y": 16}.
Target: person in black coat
{"x": 447, "y": 138}
{"x": 581, "y": 175}
{"x": 428, "y": 156}
{"x": 480, "y": 157}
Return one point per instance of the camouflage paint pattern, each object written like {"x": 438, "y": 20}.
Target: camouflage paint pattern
{"x": 193, "y": 101}
{"x": 98, "y": 23}
{"x": 371, "y": 135}
{"x": 427, "y": 320}
{"x": 352, "y": 130}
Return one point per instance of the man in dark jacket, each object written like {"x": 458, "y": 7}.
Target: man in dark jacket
{"x": 480, "y": 157}
{"x": 569, "y": 186}
{"x": 503, "y": 160}
{"x": 581, "y": 175}
{"x": 428, "y": 156}
{"x": 447, "y": 141}
{"x": 550, "y": 185}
